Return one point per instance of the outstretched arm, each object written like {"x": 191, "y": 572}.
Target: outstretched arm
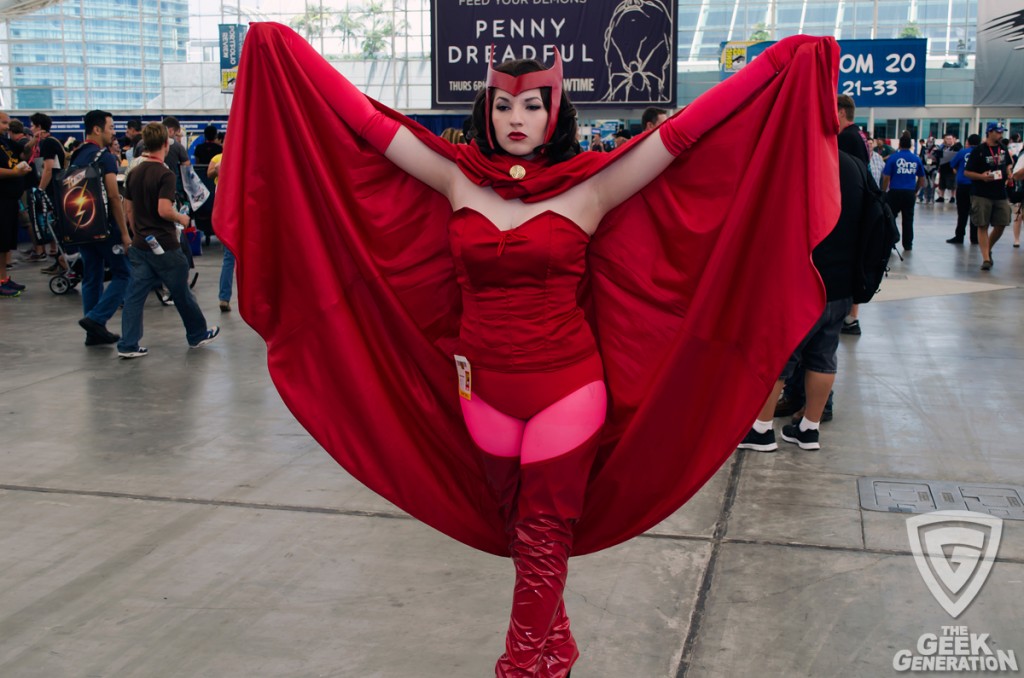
{"x": 398, "y": 144}
{"x": 642, "y": 164}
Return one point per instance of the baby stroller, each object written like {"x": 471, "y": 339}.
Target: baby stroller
{"x": 43, "y": 221}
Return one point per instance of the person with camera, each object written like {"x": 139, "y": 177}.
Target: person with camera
{"x": 988, "y": 168}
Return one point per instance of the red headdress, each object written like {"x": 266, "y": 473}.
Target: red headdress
{"x": 551, "y": 77}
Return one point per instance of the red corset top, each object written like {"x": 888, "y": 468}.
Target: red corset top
{"x": 519, "y": 308}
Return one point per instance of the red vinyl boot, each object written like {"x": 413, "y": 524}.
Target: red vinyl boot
{"x": 561, "y": 652}
{"x": 539, "y": 643}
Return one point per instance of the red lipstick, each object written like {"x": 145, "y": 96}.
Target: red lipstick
{"x": 516, "y": 136}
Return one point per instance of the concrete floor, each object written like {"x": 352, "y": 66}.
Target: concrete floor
{"x": 168, "y": 517}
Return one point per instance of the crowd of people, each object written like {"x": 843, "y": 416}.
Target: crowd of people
{"x": 985, "y": 179}
{"x": 136, "y": 201}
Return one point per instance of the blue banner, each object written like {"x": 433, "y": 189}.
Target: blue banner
{"x": 231, "y": 38}
{"x": 613, "y": 53}
{"x": 883, "y": 73}
{"x": 876, "y": 73}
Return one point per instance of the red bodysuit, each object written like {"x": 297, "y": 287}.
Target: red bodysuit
{"x": 522, "y": 329}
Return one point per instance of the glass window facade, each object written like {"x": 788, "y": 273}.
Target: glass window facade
{"x": 162, "y": 55}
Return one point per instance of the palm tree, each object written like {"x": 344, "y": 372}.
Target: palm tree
{"x": 349, "y": 26}
{"x": 313, "y": 22}
{"x": 760, "y": 33}
{"x": 379, "y": 26}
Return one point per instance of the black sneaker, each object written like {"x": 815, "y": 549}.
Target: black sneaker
{"x": 9, "y": 283}
{"x": 140, "y": 352}
{"x": 760, "y": 442}
{"x": 986, "y": 265}
{"x": 851, "y": 327}
{"x": 98, "y": 330}
{"x": 807, "y": 440}
{"x": 955, "y": 241}
{"x": 101, "y": 340}
{"x": 940, "y": 200}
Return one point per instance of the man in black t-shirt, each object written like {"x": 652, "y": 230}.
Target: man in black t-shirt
{"x": 209, "y": 148}
{"x": 988, "y": 168}
{"x": 12, "y": 173}
{"x": 850, "y": 139}
{"x": 46, "y": 159}
{"x": 132, "y": 135}
{"x": 99, "y": 304}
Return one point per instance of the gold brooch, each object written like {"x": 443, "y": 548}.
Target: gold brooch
{"x": 517, "y": 171}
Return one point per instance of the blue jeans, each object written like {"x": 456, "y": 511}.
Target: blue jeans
{"x": 97, "y": 303}
{"x": 227, "y": 275}
{"x": 149, "y": 269}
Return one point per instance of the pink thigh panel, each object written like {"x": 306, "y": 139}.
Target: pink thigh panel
{"x": 566, "y": 424}
{"x": 554, "y": 430}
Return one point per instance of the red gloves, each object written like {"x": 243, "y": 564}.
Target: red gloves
{"x": 364, "y": 119}
{"x": 711, "y": 108}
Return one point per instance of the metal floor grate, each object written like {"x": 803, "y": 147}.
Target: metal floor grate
{"x": 922, "y": 496}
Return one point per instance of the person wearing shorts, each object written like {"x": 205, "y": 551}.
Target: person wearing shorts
{"x": 988, "y": 168}
{"x": 835, "y": 258}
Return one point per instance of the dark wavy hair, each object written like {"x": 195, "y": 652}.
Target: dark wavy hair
{"x": 563, "y": 144}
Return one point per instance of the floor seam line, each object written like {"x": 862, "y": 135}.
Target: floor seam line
{"x": 700, "y": 605}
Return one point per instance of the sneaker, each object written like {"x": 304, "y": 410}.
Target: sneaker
{"x": 955, "y": 241}
{"x": 807, "y": 440}
{"x": 97, "y": 330}
{"x": 140, "y": 352}
{"x": 36, "y": 257}
{"x": 759, "y": 442}
{"x": 9, "y": 293}
{"x": 210, "y": 335}
{"x": 225, "y": 306}
{"x": 53, "y": 269}
{"x": 940, "y": 200}
{"x": 851, "y": 328}
{"x": 986, "y": 265}
{"x": 13, "y": 285}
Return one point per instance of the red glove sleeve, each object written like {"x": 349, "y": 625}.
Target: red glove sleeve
{"x": 683, "y": 130}
{"x": 365, "y": 120}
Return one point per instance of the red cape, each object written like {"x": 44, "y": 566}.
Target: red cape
{"x": 699, "y": 287}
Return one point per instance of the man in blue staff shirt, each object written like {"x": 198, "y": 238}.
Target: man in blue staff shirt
{"x": 902, "y": 177}
{"x": 963, "y": 194}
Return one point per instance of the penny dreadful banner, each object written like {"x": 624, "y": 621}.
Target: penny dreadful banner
{"x": 615, "y": 54}
{"x": 999, "y": 65}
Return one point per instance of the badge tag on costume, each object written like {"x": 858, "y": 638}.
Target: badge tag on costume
{"x": 465, "y": 377}
{"x": 997, "y": 175}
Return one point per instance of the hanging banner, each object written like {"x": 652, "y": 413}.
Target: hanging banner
{"x": 999, "y": 62}
{"x": 613, "y": 53}
{"x": 876, "y": 73}
{"x": 231, "y": 37}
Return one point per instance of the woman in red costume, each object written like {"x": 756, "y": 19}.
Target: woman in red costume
{"x": 584, "y": 300}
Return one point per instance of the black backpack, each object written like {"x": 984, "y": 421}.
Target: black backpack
{"x": 82, "y": 202}
{"x": 878, "y": 237}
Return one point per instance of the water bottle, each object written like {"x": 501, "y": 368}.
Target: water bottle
{"x": 154, "y": 245}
